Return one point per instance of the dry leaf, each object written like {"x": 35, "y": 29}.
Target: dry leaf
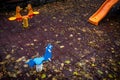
{"x": 20, "y": 59}
{"x": 62, "y": 46}
{"x": 43, "y": 76}
{"x": 75, "y": 73}
{"x": 99, "y": 72}
{"x": 8, "y": 56}
{"x": 67, "y": 61}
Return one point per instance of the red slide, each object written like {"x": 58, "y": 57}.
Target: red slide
{"x": 102, "y": 11}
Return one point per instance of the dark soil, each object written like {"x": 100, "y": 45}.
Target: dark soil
{"x": 81, "y": 51}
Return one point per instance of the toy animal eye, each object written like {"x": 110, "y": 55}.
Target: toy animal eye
{"x": 49, "y": 50}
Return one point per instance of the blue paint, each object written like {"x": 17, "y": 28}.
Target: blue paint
{"x": 48, "y": 52}
{"x": 31, "y": 63}
{"x": 40, "y": 60}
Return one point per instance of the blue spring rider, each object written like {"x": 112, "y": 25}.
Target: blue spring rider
{"x": 38, "y": 61}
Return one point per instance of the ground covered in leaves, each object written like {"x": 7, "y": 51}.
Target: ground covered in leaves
{"x": 81, "y": 51}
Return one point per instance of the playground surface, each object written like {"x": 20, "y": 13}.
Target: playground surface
{"x": 81, "y": 51}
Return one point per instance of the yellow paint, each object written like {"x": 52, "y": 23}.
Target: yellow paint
{"x": 35, "y": 12}
{"x": 12, "y": 18}
{"x": 25, "y": 22}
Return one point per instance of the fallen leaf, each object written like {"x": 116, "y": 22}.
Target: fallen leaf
{"x": 36, "y": 79}
{"x": 67, "y": 61}
{"x": 3, "y": 62}
{"x": 18, "y": 72}
{"x": 8, "y": 56}
{"x": 60, "y": 20}
{"x": 56, "y": 70}
{"x": 45, "y": 29}
{"x": 104, "y": 79}
{"x": 27, "y": 44}
{"x": 57, "y": 42}
{"x": 62, "y": 64}
{"x": 43, "y": 76}
{"x": 35, "y": 40}
{"x": 32, "y": 44}
{"x": 54, "y": 78}
{"x": 14, "y": 75}
{"x": 110, "y": 76}
{"x": 62, "y": 46}
{"x": 93, "y": 65}
{"x": 28, "y": 75}
{"x": 79, "y": 64}
{"x": 20, "y": 59}
{"x": 99, "y": 72}
{"x": 88, "y": 76}
{"x": 12, "y": 51}
{"x": 71, "y": 35}
{"x": 25, "y": 65}
{"x": 119, "y": 63}
{"x": 53, "y": 17}
{"x": 93, "y": 59}
{"x": 75, "y": 73}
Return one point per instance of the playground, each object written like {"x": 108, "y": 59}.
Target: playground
{"x": 81, "y": 50}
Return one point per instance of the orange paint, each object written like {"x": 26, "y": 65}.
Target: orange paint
{"x": 18, "y": 15}
{"x": 30, "y": 13}
{"x": 24, "y": 18}
{"x": 102, "y": 11}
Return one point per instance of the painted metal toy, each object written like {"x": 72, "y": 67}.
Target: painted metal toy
{"x": 24, "y": 18}
{"x": 38, "y": 61}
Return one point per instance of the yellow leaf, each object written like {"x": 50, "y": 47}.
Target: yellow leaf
{"x": 67, "y": 62}
{"x": 110, "y": 76}
{"x": 75, "y": 73}
{"x": 88, "y": 76}
{"x": 104, "y": 79}
{"x": 36, "y": 79}
{"x": 93, "y": 65}
{"x": 99, "y": 72}
{"x": 43, "y": 76}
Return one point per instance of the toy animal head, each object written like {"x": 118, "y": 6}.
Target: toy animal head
{"x": 49, "y": 47}
{"x": 29, "y": 7}
{"x": 18, "y": 9}
{"x": 48, "y": 52}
